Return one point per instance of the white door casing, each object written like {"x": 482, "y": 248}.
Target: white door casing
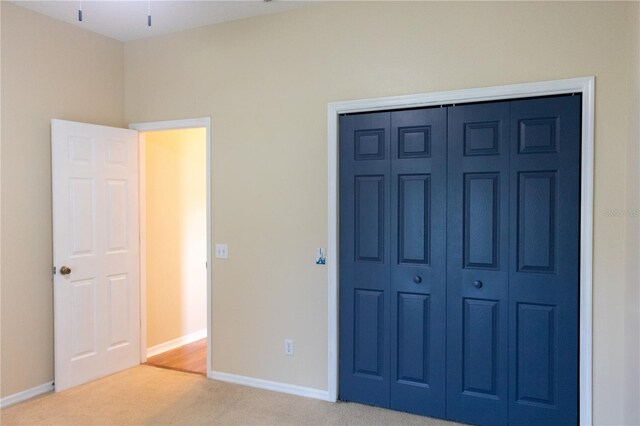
{"x": 95, "y": 234}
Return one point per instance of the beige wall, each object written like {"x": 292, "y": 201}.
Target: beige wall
{"x": 49, "y": 70}
{"x": 266, "y": 83}
{"x": 176, "y": 233}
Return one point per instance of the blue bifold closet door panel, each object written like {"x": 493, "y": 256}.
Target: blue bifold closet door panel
{"x": 418, "y": 260}
{"x": 544, "y": 261}
{"x": 392, "y": 260}
{"x": 459, "y": 260}
{"x": 478, "y": 253}
{"x": 365, "y": 258}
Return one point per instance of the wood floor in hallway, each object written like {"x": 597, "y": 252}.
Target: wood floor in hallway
{"x": 190, "y": 358}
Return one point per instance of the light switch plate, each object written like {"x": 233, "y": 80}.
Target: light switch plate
{"x": 222, "y": 251}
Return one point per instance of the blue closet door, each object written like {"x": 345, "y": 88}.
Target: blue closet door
{"x": 459, "y": 260}
{"x": 477, "y": 263}
{"x": 418, "y": 260}
{"x": 544, "y": 261}
{"x": 365, "y": 258}
{"x": 393, "y": 259}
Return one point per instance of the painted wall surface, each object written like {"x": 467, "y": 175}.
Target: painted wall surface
{"x": 176, "y": 231}
{"x": 49, "y": 70}
{"x": 266, "y": 83}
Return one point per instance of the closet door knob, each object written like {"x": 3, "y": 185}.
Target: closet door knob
{"x": 477, "y": 284}
{"x": 65, "y": 270}
{"x": 417, "y": 279}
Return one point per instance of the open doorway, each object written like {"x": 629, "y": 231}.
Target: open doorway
{"x": 175, "y": 244}
{"x": 176, "y": 248}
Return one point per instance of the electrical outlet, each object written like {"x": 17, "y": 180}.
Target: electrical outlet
{"x": 222, "y": 251}
{"x": 288, "y": 347}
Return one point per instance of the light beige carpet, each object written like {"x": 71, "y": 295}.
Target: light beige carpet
{"x": 151, "y": 396}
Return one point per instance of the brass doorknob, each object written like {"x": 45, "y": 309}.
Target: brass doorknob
{"x": 65, "y": 270}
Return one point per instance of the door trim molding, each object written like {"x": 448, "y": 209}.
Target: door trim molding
{"x": 582, "y": 85}
{"x": 172, "y": 125}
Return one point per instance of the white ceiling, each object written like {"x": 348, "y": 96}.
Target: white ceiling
{"x": 126, "y": 20}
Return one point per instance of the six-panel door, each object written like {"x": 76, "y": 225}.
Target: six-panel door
{"x": 474, "y": 250}
{"x": 95, "y": 236}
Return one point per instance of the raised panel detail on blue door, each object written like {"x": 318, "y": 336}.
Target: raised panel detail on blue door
{"x": 538, "y": 135}
{"x": 368, "y": 337}
{"x": 413, "y": 218}
{"x": 482, "y": 138}
{"x": 414, "y": 142}
{"x": 481, "y": 211}
{"x": 536, "y": 356}
{"x": 480, "y": 341}
{"x": 537, "y": 221}
{"x": 369, "y": 226}
{"x": 369, "y": 144}
{"x": 413, "y": 338}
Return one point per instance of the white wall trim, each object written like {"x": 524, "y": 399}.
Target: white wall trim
{"x": 583, "y": 85}
{"x": 272, "y": 386}
{"x": 176, "y": 343}
{"x": 26, "y": 394}
{"x": 172, "y": 125}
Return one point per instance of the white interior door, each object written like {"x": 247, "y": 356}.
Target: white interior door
{"x": 95, "y": 251}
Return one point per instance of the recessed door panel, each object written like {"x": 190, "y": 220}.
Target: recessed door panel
{"x": 81, "y": 216}
{"x": 80, "y": 149}
{"x": 481, "y": 219}
{"x": 369, "y": 218}
{"x": 119, "y": 317}
{"x": 368, "y": 342}
{"x": 116, "y": 154}
{"x": 536, "y": 354}
{"x": 117, "y": 200}
{"x": 480, "y": 342}
{"x": 83, "y": 319}
{"x": 413, "y": 338}
{"x": 413, "y": 218}
{"x": 537, "y": 221}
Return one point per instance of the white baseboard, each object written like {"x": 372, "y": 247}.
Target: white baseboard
{"x": 26, "y": 394}
{"x": 176, "y": 343}
{"x": 272, "y": 386}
